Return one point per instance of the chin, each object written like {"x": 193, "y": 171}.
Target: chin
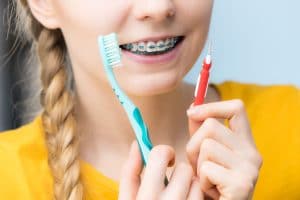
{"x": 150, "y": 84}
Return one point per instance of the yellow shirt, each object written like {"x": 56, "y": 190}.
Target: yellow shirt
{"x": 274, "y": 114}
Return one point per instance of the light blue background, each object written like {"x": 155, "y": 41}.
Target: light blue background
{"x": 255, "y": 41}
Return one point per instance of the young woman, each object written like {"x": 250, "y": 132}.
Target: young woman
{"x": 77, "y": 148}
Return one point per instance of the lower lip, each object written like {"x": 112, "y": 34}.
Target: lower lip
{"x": 154, "y": 59}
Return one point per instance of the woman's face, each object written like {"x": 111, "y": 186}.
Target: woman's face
{"x": 134, "y": 20}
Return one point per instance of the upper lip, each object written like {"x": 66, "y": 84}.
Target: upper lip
{"x": 153, "y": 39}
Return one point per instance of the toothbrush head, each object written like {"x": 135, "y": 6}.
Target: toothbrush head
{"x": 111, "y": 58}
{"x": 110, "y": 50}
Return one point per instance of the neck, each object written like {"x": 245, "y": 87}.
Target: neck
{"x": 105, "y": 130}
{"x": 102, "y": 117}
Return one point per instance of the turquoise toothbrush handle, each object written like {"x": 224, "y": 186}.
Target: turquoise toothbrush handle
{"x": 137, "y": 123}
{"x": 133, "y": 113}
{"x": 142, "y": 134}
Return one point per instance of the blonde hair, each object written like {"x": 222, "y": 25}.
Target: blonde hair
{"x": 57, "y": 101}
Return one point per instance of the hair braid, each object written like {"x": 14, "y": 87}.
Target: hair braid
{"x": 58, "y": 117}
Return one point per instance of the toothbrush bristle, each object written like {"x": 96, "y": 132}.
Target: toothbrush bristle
{"x": 112, "y": 50}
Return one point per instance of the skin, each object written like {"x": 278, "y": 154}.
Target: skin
{"x": 207, "y": 153}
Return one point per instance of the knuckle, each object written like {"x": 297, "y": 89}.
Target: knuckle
{"x": 239, "y": 105}
{"x": 259, "y": 160}
{"x": 203, "y": 168}
{"x": 256, "y": 158}
{"x": 253, "y": 172}
{"x": 161, "y": 152}
{"x": 240, "y": 186}
{"x": 245, "y": 184}
{"x": 255, "y": 175}
{"x": 249, "y": 171}
{"x": 161, "y": 149}
{"x": 207, "y": 144}
{"x": 192, "y": 155}
{"x": 210, "y": 124}
{"x": 188, "y": 149}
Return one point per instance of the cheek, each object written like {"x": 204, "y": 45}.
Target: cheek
{"x": 93, "y": 15}
{"x": 197, "y": 14}
{"x": 82, "y": 21}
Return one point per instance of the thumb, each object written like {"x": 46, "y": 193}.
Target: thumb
{"x": 193, "y": 124}
{"x": 130, "y": 176}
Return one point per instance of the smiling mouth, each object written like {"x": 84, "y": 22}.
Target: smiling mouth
{"x": 153, "y": 48}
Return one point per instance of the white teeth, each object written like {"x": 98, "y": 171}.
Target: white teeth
{"x": 151, "y": 47}
{"x": 168, "y": 43}
{"x": 142, "y": 46}
{"x": 134, "y": 47}
{"x": 160, "y": 45}
{"x": 173, "y": 41}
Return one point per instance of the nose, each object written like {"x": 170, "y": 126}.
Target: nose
{"x": 156, "y": 10}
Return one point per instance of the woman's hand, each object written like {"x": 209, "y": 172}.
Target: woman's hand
{"x": 151, "y": 187}
{"x": 225, "y": 159}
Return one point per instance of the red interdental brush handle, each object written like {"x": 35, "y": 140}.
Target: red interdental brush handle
{"x": 202, "y": 84}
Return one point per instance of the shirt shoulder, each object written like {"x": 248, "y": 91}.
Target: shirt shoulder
{"x": 25, "y": 173}
{"x": 24, "y": 170}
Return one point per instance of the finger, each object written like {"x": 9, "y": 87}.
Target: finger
{"x": 180, "y": 182}
{"x": 212, "y": 129}
{"x": 193, "y": 124}
{"x": 195, "y": 192}
{"x": 233, "y": 110}
{"x": 130, "y": 175}
{"x": 212, "y": 150}
{"x": 212, "y": 175}
{"x": 155, "y": 171}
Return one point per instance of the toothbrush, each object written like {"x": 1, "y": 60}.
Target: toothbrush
{"x": 202, "y": 82}
{"x": 111, "y": 57}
